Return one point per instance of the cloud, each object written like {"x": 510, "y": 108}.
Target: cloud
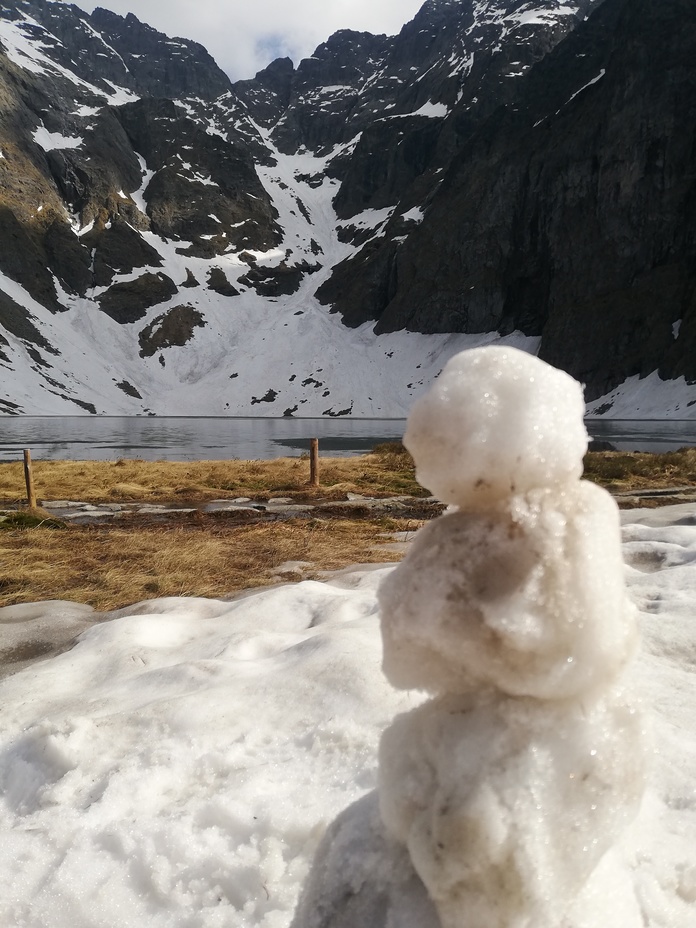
{"x": 244, "y": 37}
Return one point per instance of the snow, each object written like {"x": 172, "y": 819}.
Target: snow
{"x": 540, "y": 17}
{"x": 180, "y": 765}
{"x": 518, "y": 397}
{"x": 51, "y": 141}
{"x": 584, "y": 87}
{"x": 27, "y": 54}
{"x": 22, "y": 51}
{"x": 138, "y": 196}
{"x": 414, "y": 215}
{"x": 119, "y": 95}
{"x": 648, "y": 397}
{"x": 87, "y": 111}
{"x": 432, "y": 109}
{"x": 512, "y": 784}
{"x": 137, "y": 778}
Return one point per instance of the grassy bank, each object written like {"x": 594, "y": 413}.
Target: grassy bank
{"x": 386, "y": 471}
{"x": 109, "y": 566}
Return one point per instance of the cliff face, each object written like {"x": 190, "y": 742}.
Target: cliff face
{"x": 566, "y": 215}
{"x": 497, "y": 167}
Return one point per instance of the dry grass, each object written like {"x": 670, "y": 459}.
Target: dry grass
{"x": 388, "y": 470}
{"x": 383, "y": 472}
{"x": 109, "y": 566}
{"x": 112, "y": 567}
{"x": 636, "y": 470}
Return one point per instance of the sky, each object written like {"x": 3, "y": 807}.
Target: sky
{"x": 244, "y": 37}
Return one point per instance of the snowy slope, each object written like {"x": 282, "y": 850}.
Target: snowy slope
{"x": 248, "y": 354}
{"x": 252, "y": 356}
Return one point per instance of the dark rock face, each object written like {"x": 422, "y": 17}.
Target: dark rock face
{"x": 118, "y": 249}
{"x": 175, "y": 327}
{"x": 268, "y": 94}
{"x": 328, "y": 83}
{"x": 217, "y": 281}
{"x": 197, "y": 177}
{"x": 567, "y": 216}
{"x": 129, "y": 389}
{"x": 278, "y": 281}
{"x": 23, "y": 258}
{"x": 18, "y": 321}
{"x": 390, "y": 156}
{"x": 105, "y": 47}
{"x": 127, "y": 302}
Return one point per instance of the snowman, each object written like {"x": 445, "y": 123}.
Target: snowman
{"x": 511, "y": 784}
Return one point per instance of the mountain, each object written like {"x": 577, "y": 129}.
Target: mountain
{"x": 320, "y": 239}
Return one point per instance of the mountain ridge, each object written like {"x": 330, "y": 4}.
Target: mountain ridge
{"x": 172, "y": 241}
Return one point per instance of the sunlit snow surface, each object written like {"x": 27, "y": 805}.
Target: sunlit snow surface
{"x": 178, "y": 767}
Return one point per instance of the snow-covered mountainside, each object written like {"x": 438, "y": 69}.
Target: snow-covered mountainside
{"x": 171, "y": 243}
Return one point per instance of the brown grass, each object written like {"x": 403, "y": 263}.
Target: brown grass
{"x": 109, "y": 566}
{"x": 384, "y": 472}
{"x": 636, "y": 470}
{"x": 388, "y": 470}
{"x": 112, "y": 567}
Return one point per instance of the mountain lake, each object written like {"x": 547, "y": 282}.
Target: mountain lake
{"x": 150, "y": 438}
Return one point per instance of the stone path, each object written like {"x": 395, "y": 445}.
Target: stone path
{"x": 280, "y": 507}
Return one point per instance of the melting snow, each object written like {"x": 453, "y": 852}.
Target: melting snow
{"x": 415, "y": 215}
{"x": 432, "y": 109}
{"x": 54, "y": 140}
{"x": 179, "y": 766}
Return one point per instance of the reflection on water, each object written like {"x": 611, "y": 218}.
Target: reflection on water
{"x": 104, "y": 438}
{"x": 654, "y": 435}
{"x": 99, "y": 438}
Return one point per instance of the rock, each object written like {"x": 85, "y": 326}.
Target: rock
{"x": 175, "y": 327}
{"x": 280, "y": 280}
{"x": 215, "y": 178}
{"x": 129, "y": 389}
{"x": 18, "y": 321}
{"x": 119, "y": 249}
{"x": 129, "y": 301}
{"x": 217, "y": 281}
{"x": 509, "y": 240}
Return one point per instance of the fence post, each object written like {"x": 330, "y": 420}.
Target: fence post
{"x": 29, "y": 480}
{"x": 314, "y": 462}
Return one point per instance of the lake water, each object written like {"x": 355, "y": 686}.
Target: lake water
{"x": 105, "y": 438}
{"x": 99, "y": 438}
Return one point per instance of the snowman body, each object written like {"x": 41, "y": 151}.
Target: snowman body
{"x": 511, "y": 784}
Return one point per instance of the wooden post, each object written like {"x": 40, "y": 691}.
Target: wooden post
{"x": 29, "y": 480}
{"x": 314, "y": 462}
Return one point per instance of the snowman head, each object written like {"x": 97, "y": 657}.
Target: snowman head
{"x": 497, "y": 423}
